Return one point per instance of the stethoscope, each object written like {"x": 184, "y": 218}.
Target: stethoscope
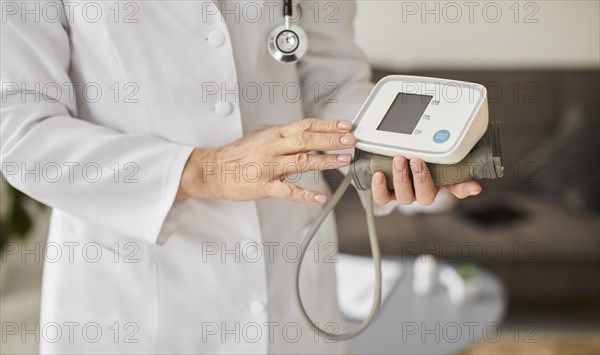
{"x": 287, "y": 43}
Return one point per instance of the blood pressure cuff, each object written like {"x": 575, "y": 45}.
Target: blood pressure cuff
{"x": 484, "y": 161}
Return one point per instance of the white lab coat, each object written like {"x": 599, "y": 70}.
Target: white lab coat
{"x": 99, "y": 116}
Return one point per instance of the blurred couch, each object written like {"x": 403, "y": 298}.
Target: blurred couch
{"x": 538, "y": 228}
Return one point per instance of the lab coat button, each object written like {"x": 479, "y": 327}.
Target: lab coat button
{"x": 216, "y": 38}
{"x": 223, "y": 108}
{"x": 257, "y": 307}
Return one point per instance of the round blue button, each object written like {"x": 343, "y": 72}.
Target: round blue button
{"x": 441, "y": 136}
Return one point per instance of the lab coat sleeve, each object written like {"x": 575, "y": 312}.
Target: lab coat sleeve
{"x": 124, "y": 183}
{"x": 335, "y": 74}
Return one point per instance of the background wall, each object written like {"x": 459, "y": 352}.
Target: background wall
{"x": 540, "y": 61}
{"x": 501, "y": 34}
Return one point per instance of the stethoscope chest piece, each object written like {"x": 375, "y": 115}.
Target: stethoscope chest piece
{"x": 287, "y": 43}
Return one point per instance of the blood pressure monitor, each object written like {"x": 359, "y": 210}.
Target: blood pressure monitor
{"x": 441, "y": 121}
{"x": 437, "y": 120}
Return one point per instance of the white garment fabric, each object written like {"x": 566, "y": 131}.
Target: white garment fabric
{"x": 101, "y": 108}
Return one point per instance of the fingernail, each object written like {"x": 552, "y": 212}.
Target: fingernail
{"x": 379, "y": 179}
{"x": 320, "y": 198}
{"x": 474, "y": 192}
{"x": 345, "y": 125}
{"x": 344, "y": 158}
{"x": 348, "y": 140}
{"x": 416, "y": 166}
{"x": 398, "y": 164}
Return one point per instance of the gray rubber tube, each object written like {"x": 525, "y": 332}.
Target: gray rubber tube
{"x": 483, "y": 162}
{"x": 376, "y": 260}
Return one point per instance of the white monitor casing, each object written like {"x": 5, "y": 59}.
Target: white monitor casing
{"x": 452, "y": 123}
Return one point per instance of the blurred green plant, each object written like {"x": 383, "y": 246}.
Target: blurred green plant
{"x": 466, "y": 270}
{"x": 15, "y": 221}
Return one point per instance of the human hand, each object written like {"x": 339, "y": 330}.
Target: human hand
{"x": 420, "y": 189}
{"x": 256, "y": 165}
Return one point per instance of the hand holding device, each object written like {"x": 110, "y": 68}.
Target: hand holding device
{"x": 482, "y": 162}
{"x": 256, "y": 165}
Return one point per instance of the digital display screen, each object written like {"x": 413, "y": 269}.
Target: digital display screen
{"x": 404, "y": 113}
